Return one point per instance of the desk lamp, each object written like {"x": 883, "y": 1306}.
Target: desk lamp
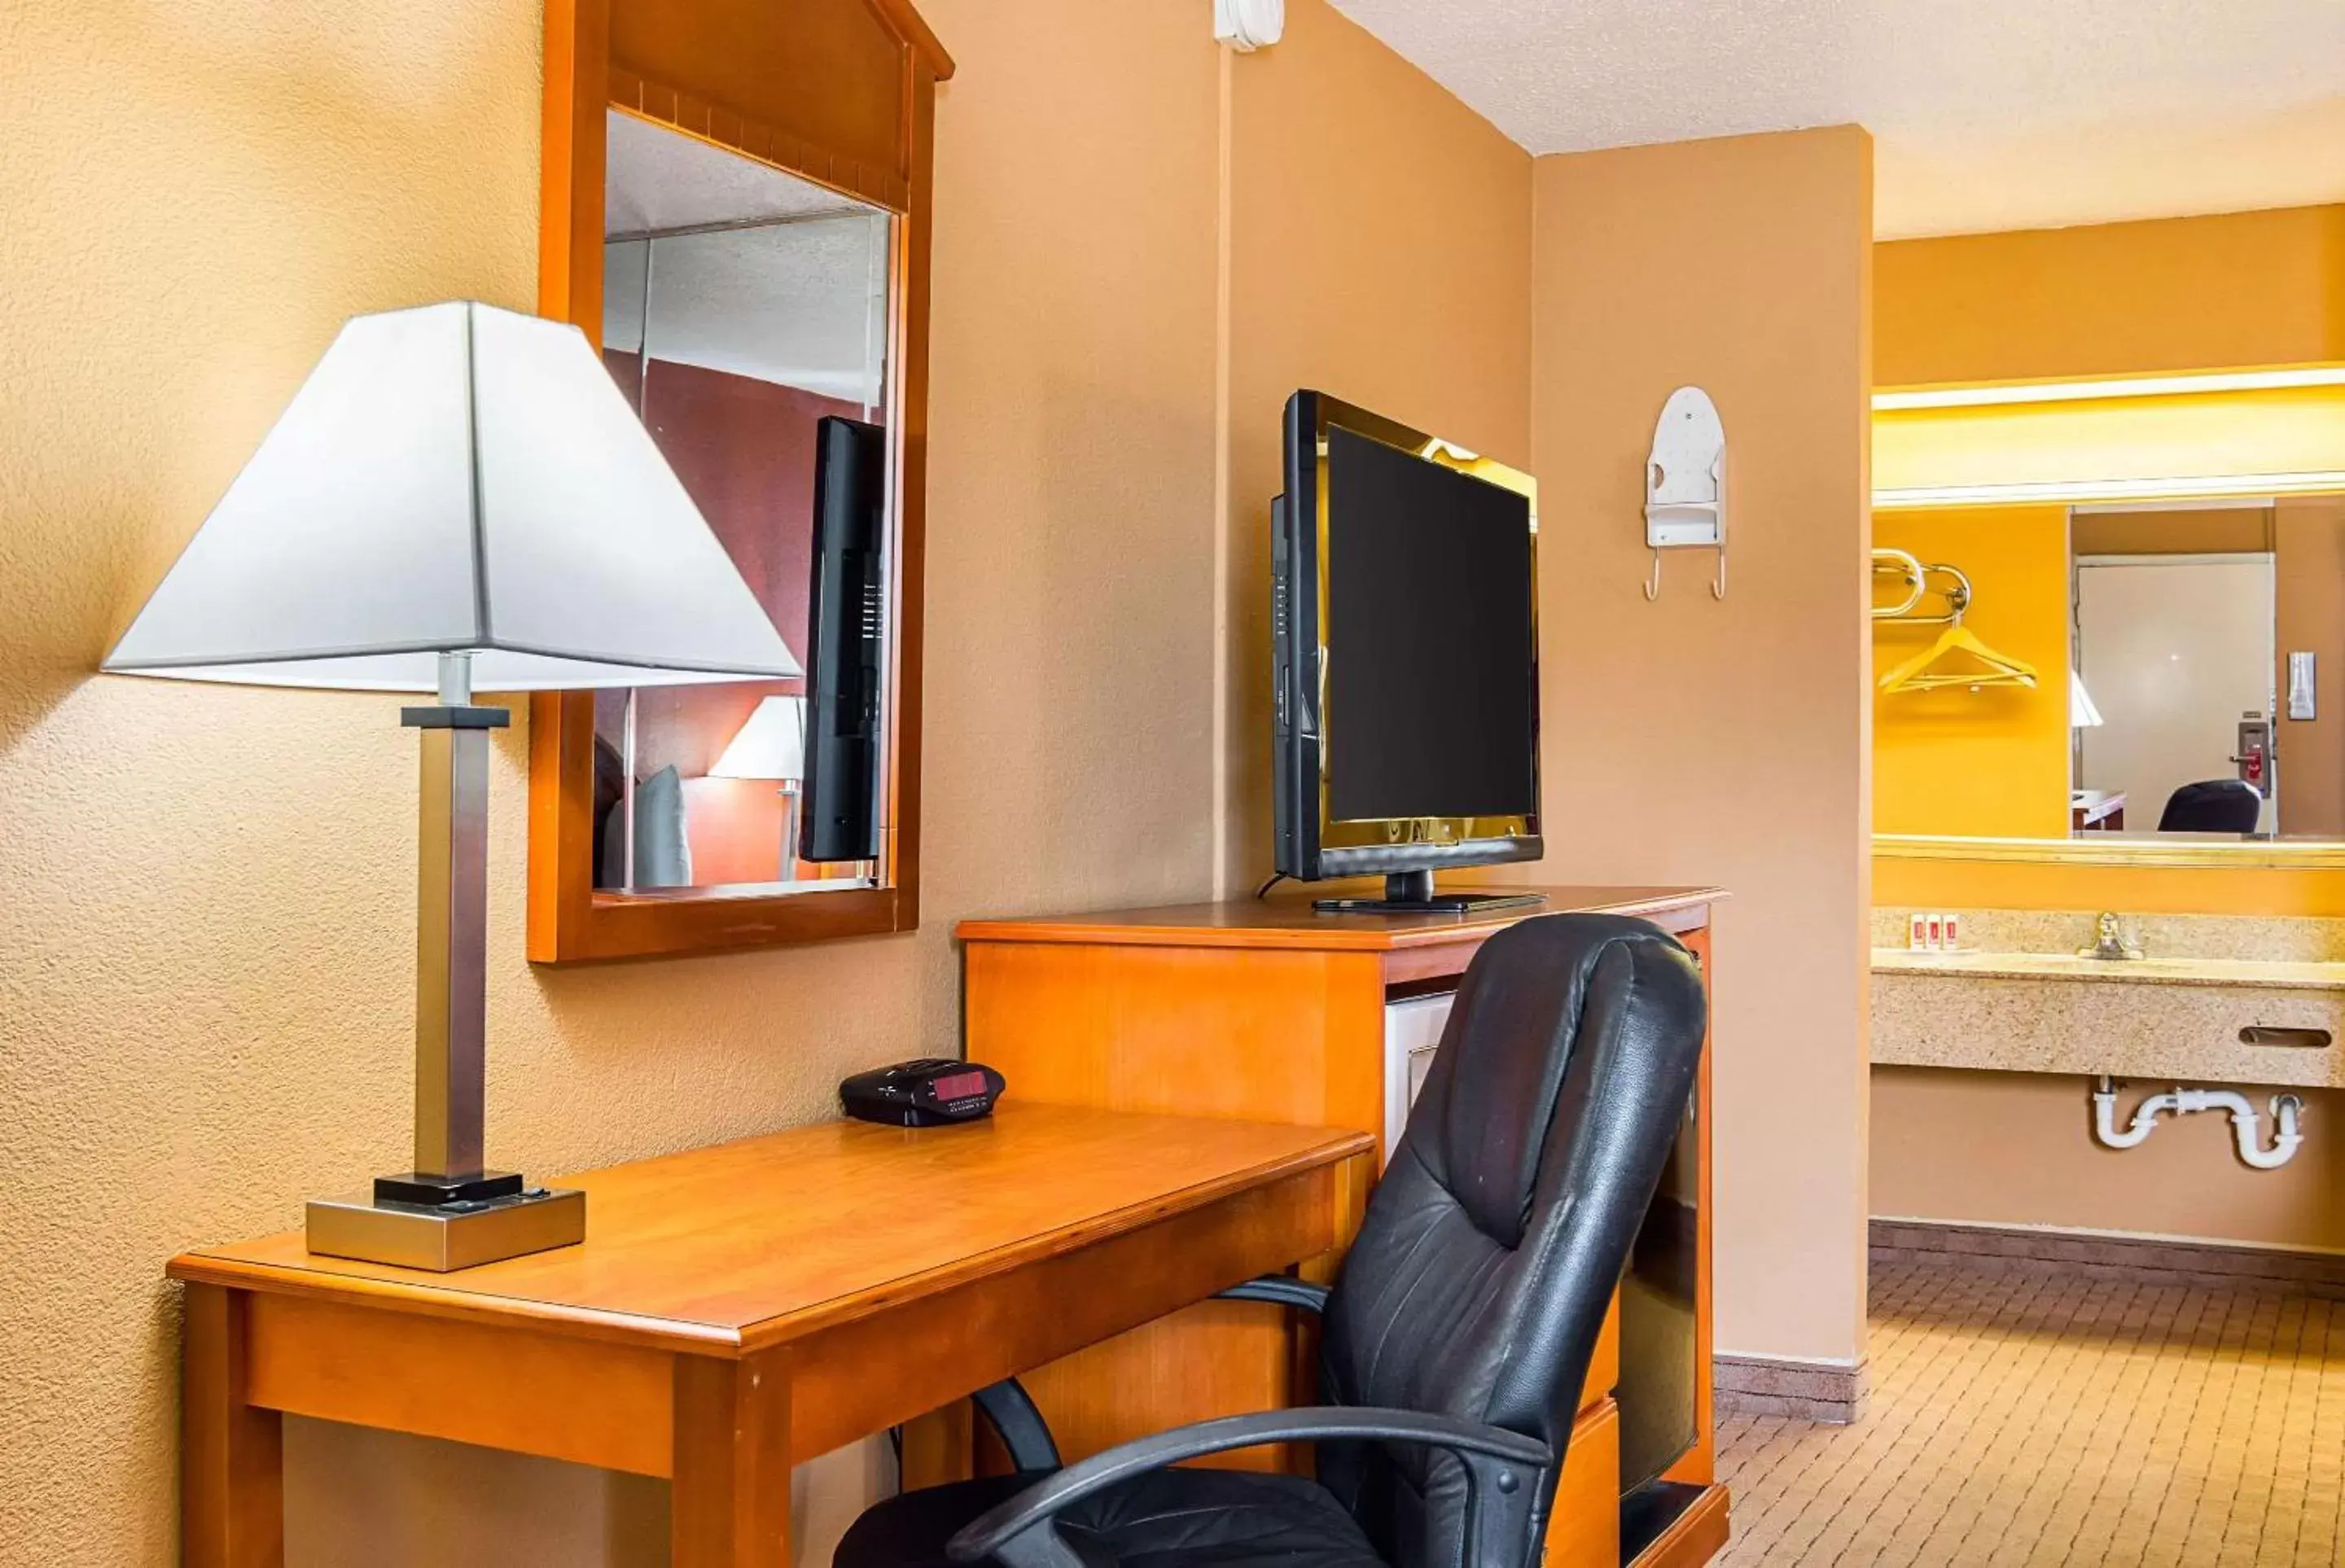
{"x": 458, "y": 498}
{"x": 771, "y": 745}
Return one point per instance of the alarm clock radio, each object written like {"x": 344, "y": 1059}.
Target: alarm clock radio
{"x": 929, "y": 1092}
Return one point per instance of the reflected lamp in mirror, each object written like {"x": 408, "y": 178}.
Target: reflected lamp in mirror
{"x": 2081, "y": 714}
{"x": 457, "y": 498}
{"x": 772, "y": 746}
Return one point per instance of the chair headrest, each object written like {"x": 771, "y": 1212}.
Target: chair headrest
{"x": 1521, "y": 1010}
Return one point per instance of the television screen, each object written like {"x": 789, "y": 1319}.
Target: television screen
{"x": 1429, "y": 634}
{"x": 1405, "y": 657}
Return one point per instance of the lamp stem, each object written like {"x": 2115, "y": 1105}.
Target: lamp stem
{"x": 452, "y": 928}
{"x": 791, "y": 800}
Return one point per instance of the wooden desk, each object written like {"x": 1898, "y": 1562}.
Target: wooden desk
{"x": 2104, "y": 810}
{"x": 737, "y": 1309}
{"x": 1264, "y": 1009}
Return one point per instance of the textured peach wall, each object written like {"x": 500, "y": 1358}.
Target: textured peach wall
{"x": 1380, "y": 251}
{"x": 2017, "y": 1149}
{"x": 1696, "y": 740}
{"x": 205, "y": 958}
{"x": 206, "y": 952}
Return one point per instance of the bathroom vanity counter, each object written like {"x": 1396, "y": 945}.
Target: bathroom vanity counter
{"x": 2178, "y": 1019}
{"x": 2258, "y": 974}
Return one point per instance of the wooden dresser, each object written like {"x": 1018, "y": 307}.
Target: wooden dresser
{"x": 1263, "y": 1010}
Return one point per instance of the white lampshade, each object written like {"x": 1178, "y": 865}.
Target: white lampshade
{"x": 2081, "y": 714}
{"x": 771, "y": 745}
{"x": 455, "y": 479}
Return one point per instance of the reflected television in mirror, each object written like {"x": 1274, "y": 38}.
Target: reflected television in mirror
{"x": 846, "y": 634}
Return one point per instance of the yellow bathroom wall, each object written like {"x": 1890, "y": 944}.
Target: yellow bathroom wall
{"x": 1991, "y": 762}
{"x": 2156, "y": 298}
{"x": 2112, "y": 298}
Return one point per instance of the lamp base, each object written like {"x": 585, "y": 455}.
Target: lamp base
{"x": 443, "y": 1238}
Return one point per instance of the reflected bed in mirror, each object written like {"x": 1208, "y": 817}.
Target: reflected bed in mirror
{"x": 2179, "y": 699}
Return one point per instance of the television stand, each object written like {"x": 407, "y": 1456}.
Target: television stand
{"x": 1411, "y": 893}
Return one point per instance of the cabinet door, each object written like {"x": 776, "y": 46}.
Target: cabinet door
{"x": 1412, "y": 1033}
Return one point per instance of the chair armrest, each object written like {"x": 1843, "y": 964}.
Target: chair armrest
{"x": 1010, "y": 1409}
{"x": 1280, "y": 1290}
{"x": 1505, "y": 1475}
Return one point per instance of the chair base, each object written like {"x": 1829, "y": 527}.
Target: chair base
{"x": 910, "y": 1530}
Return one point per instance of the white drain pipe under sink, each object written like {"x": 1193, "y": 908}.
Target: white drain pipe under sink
{"x": 2286, "y": 1111}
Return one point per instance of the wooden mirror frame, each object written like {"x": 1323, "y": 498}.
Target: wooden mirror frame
{"x": 839, "y": 92}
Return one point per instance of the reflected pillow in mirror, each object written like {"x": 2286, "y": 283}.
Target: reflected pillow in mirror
{"x": 662, "y": 855}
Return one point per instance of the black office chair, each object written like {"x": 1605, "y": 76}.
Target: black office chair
{"x": 2216, "y": 805}
{"x": 1458, "y": 1334}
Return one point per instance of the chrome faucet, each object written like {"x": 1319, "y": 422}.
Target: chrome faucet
{"x": 2109, "y": 941}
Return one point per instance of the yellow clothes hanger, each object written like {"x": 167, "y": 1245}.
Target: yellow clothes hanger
{"x": 1917, "y": 675}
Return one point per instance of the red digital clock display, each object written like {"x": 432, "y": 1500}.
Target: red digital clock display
{"x": 960, "y": 1086}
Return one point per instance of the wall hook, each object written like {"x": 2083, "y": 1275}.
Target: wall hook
{"x": 1685, "y": 484}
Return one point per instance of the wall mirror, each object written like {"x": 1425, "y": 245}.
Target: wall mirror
{"x": 2108, "y": 618}
{"x": 742, "y": 308}
{"x": 736, "y": 211}
{"x": 2133, "y": 681}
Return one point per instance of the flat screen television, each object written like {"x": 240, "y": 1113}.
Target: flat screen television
{"x": 1404, "y": 658}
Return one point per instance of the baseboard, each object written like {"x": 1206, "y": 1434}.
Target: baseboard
{"x": 2128, "y": 1256}
{"x": 1832, "y": 1393}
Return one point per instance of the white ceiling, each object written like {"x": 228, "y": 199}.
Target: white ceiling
{"x": 1986, "y": 114}
{"x": 656, "y": 179}
{"x": 793, "y": 289}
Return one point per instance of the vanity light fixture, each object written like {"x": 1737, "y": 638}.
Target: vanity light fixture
{"x": 2311, "y": 482}
{"x": 2124, "y": 386}
{"x": 2082, "y": 712}
{"x": 458, "y": 498}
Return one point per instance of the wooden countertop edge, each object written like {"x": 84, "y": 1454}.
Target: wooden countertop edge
{"x": 420, "y": 1300}
{"x": 1074, "y": 929}
{"x": 425, "y": 1297}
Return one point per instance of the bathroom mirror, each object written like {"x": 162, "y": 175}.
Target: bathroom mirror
{"x": 2138, "y": 678}
{"x": 736, "y": 212}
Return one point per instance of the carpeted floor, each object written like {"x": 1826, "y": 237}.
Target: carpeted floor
{"x": 2041, "y": 1419}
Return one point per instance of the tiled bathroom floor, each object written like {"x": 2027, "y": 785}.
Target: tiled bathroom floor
{"x": 2046, "y": 1419}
